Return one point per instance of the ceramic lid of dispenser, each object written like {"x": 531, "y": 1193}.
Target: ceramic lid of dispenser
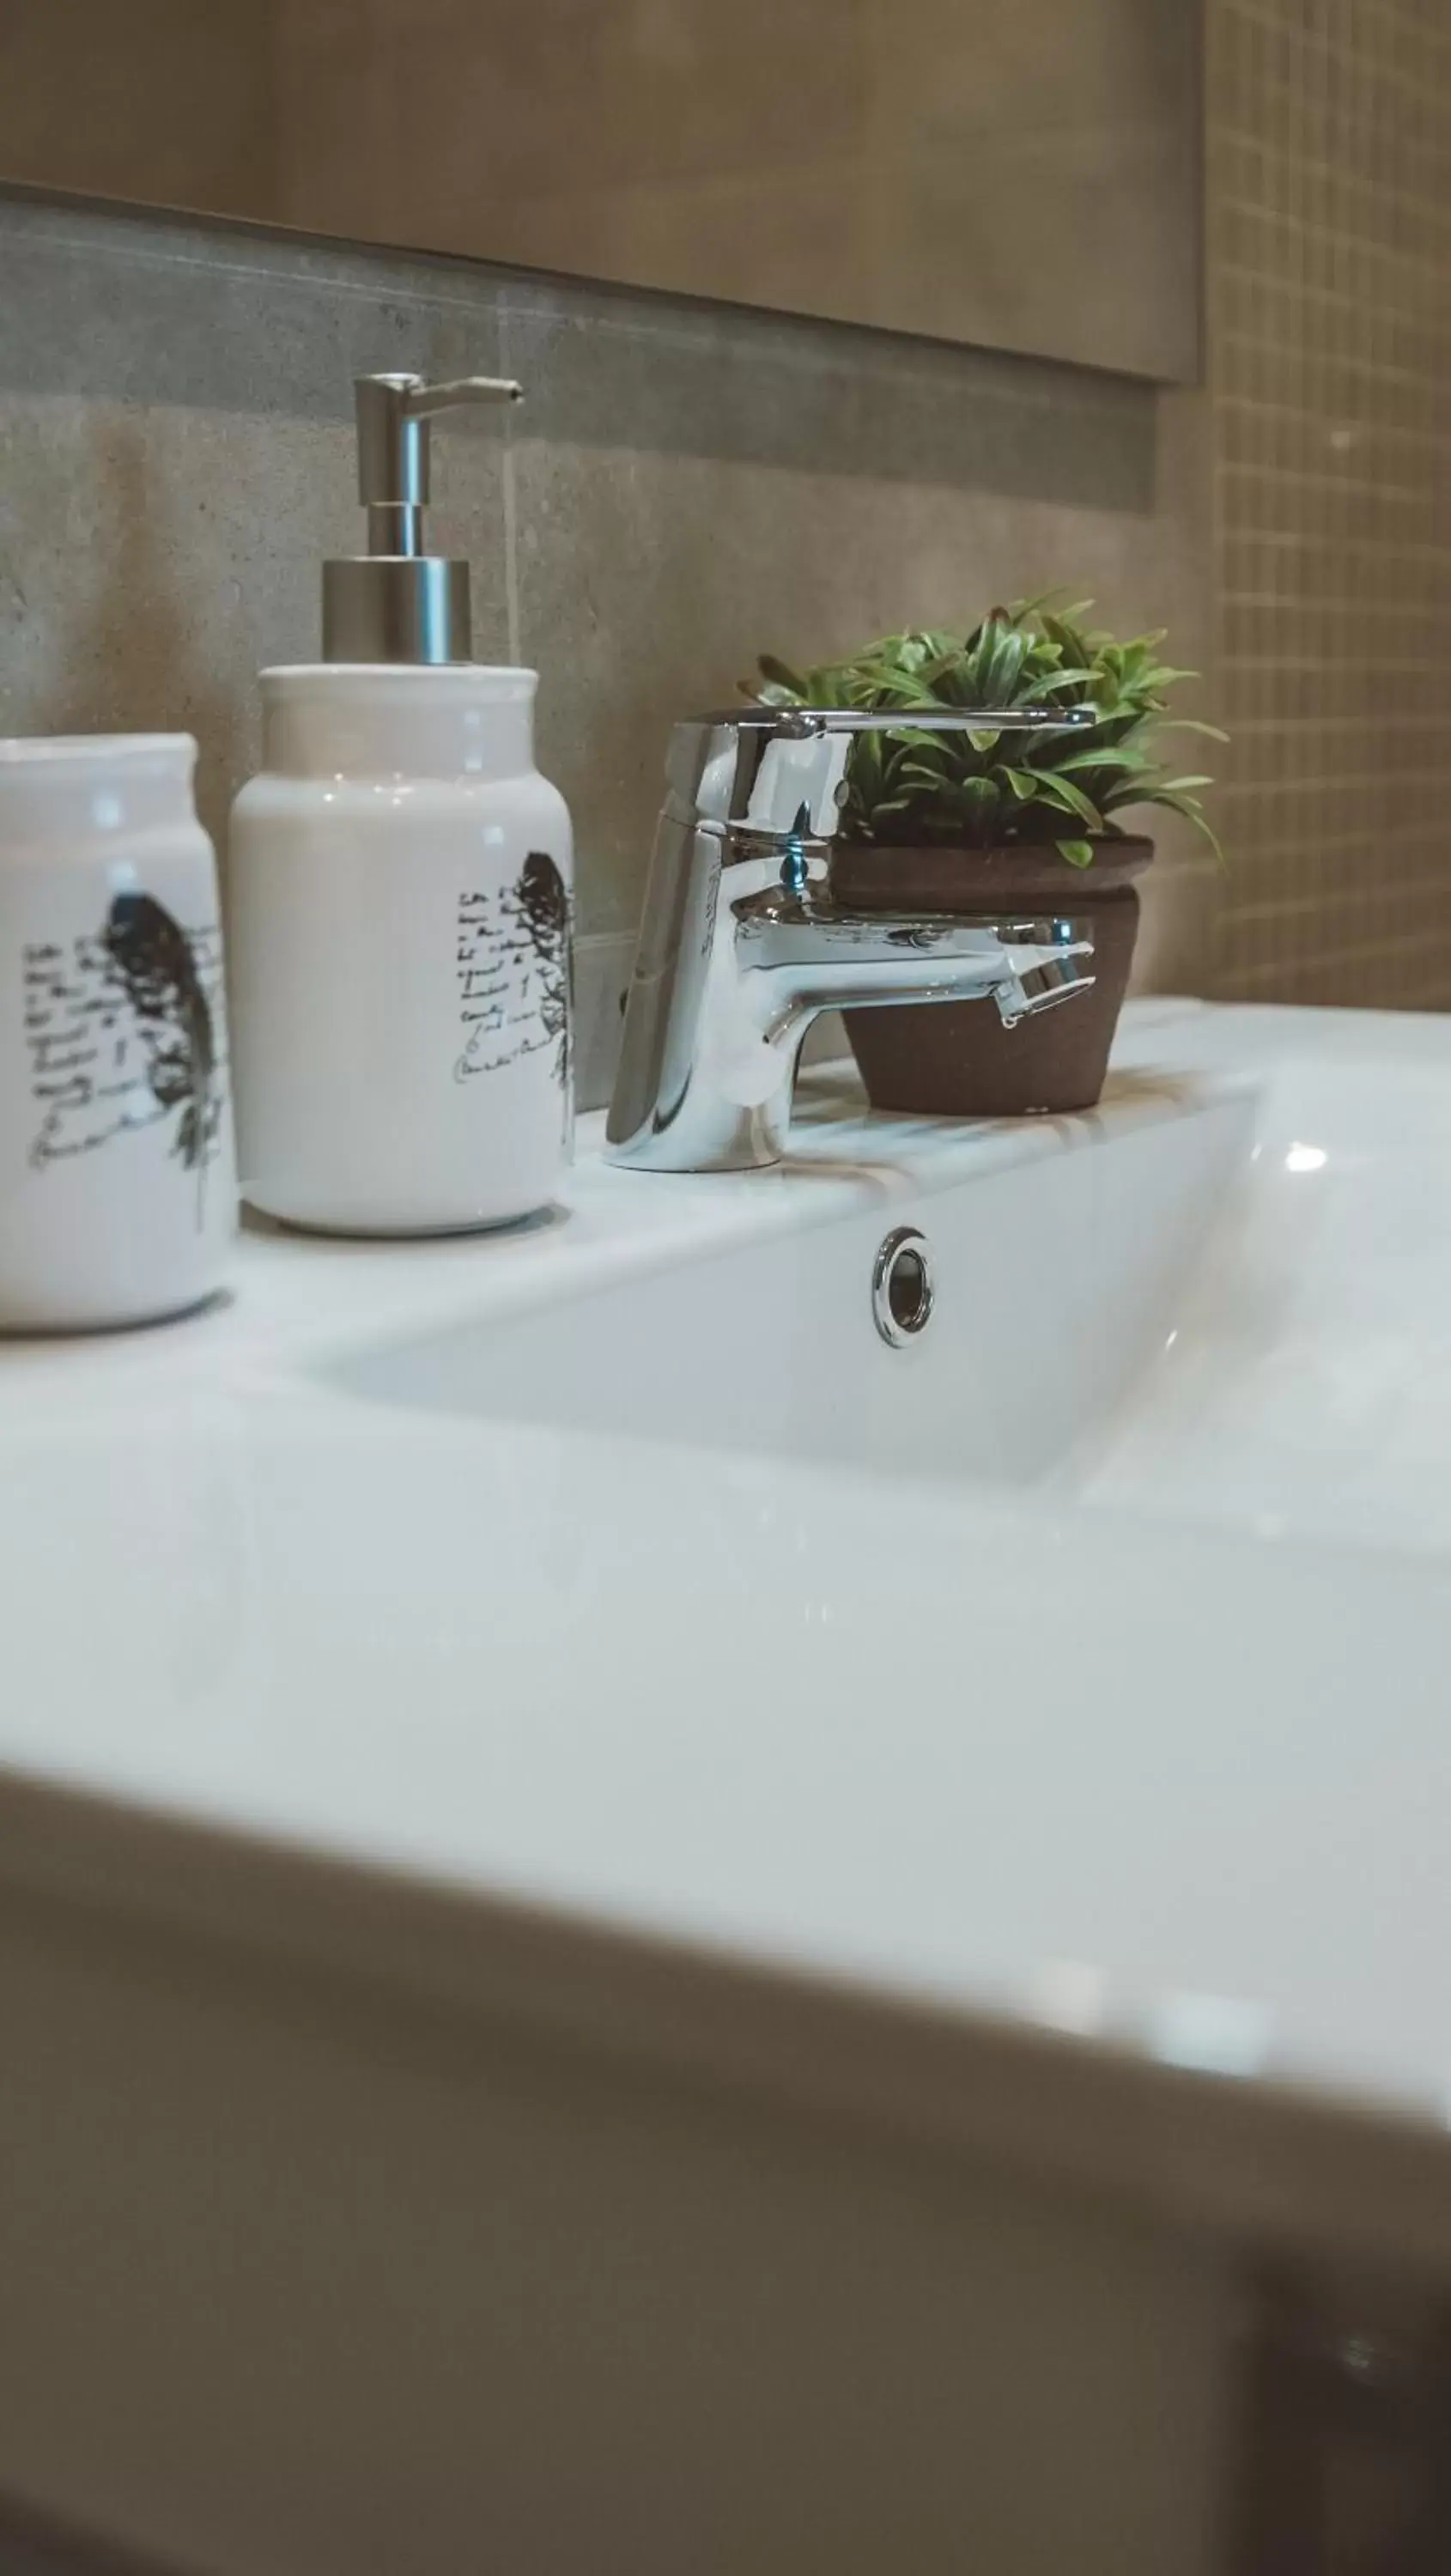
{"x": 396, "y": 603}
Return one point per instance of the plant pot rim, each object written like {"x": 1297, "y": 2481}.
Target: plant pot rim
{"x": 1117, "y": 848}
{"x": 946, "y": 876}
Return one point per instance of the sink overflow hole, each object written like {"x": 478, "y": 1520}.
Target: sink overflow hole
{"x": 902, "y": 1287}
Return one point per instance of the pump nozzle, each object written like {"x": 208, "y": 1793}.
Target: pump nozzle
{"x": 397, "y": 603}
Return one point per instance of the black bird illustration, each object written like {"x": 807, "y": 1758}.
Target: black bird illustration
{"x": 153, "y": 957}
{"x": 542, "y": 898}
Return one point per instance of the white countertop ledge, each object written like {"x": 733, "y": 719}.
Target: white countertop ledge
{"x": 1113, "y": 1842}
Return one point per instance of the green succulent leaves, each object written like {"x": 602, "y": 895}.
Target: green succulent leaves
{"x": 987, "y": 790}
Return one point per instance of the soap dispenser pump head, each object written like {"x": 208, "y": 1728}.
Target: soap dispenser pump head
{"x": 396, "y": 603}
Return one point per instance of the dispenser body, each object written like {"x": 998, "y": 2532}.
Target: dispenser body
{"x": 401, "y": 902}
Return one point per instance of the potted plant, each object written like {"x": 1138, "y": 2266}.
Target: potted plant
{"x": 1009, "y": 825}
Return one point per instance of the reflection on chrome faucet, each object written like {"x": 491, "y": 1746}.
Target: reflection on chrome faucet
{"x": 743, "y": 942}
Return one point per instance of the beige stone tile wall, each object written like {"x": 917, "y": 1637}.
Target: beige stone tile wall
{"x": 685, "y": 485}
{"x": 1330, "y": 341}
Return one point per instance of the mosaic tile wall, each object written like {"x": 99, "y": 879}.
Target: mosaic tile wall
{"x": 1330, "y": 380}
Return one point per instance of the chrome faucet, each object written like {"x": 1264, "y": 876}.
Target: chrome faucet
{"x": 743, "y": 943}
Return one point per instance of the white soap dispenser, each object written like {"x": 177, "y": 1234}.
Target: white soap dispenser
{"x": 400, "y": 894}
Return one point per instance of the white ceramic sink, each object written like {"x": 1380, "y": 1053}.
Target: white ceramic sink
{"x": 619, "y": 1570}
{"x": 559, "y": 1779}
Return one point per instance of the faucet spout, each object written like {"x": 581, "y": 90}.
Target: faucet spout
{"x": 822, "y": 958}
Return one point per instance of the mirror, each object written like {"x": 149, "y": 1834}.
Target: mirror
{"x": 1022, "y": 174}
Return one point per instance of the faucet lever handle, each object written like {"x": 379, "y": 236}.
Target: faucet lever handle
{"x": 809, "y": 723}
{"x": 784, "y": 770}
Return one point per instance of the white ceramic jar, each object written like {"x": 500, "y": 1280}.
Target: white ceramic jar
{"x": 400, "y": 899}
{"x": 117, "y": 1190}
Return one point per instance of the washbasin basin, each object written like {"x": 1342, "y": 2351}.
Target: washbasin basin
{"x": 1223, "y": 1296}
{"x": 1055, "y": 1254}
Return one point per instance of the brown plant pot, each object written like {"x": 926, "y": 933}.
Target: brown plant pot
{"x": 956, "y": 1059}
